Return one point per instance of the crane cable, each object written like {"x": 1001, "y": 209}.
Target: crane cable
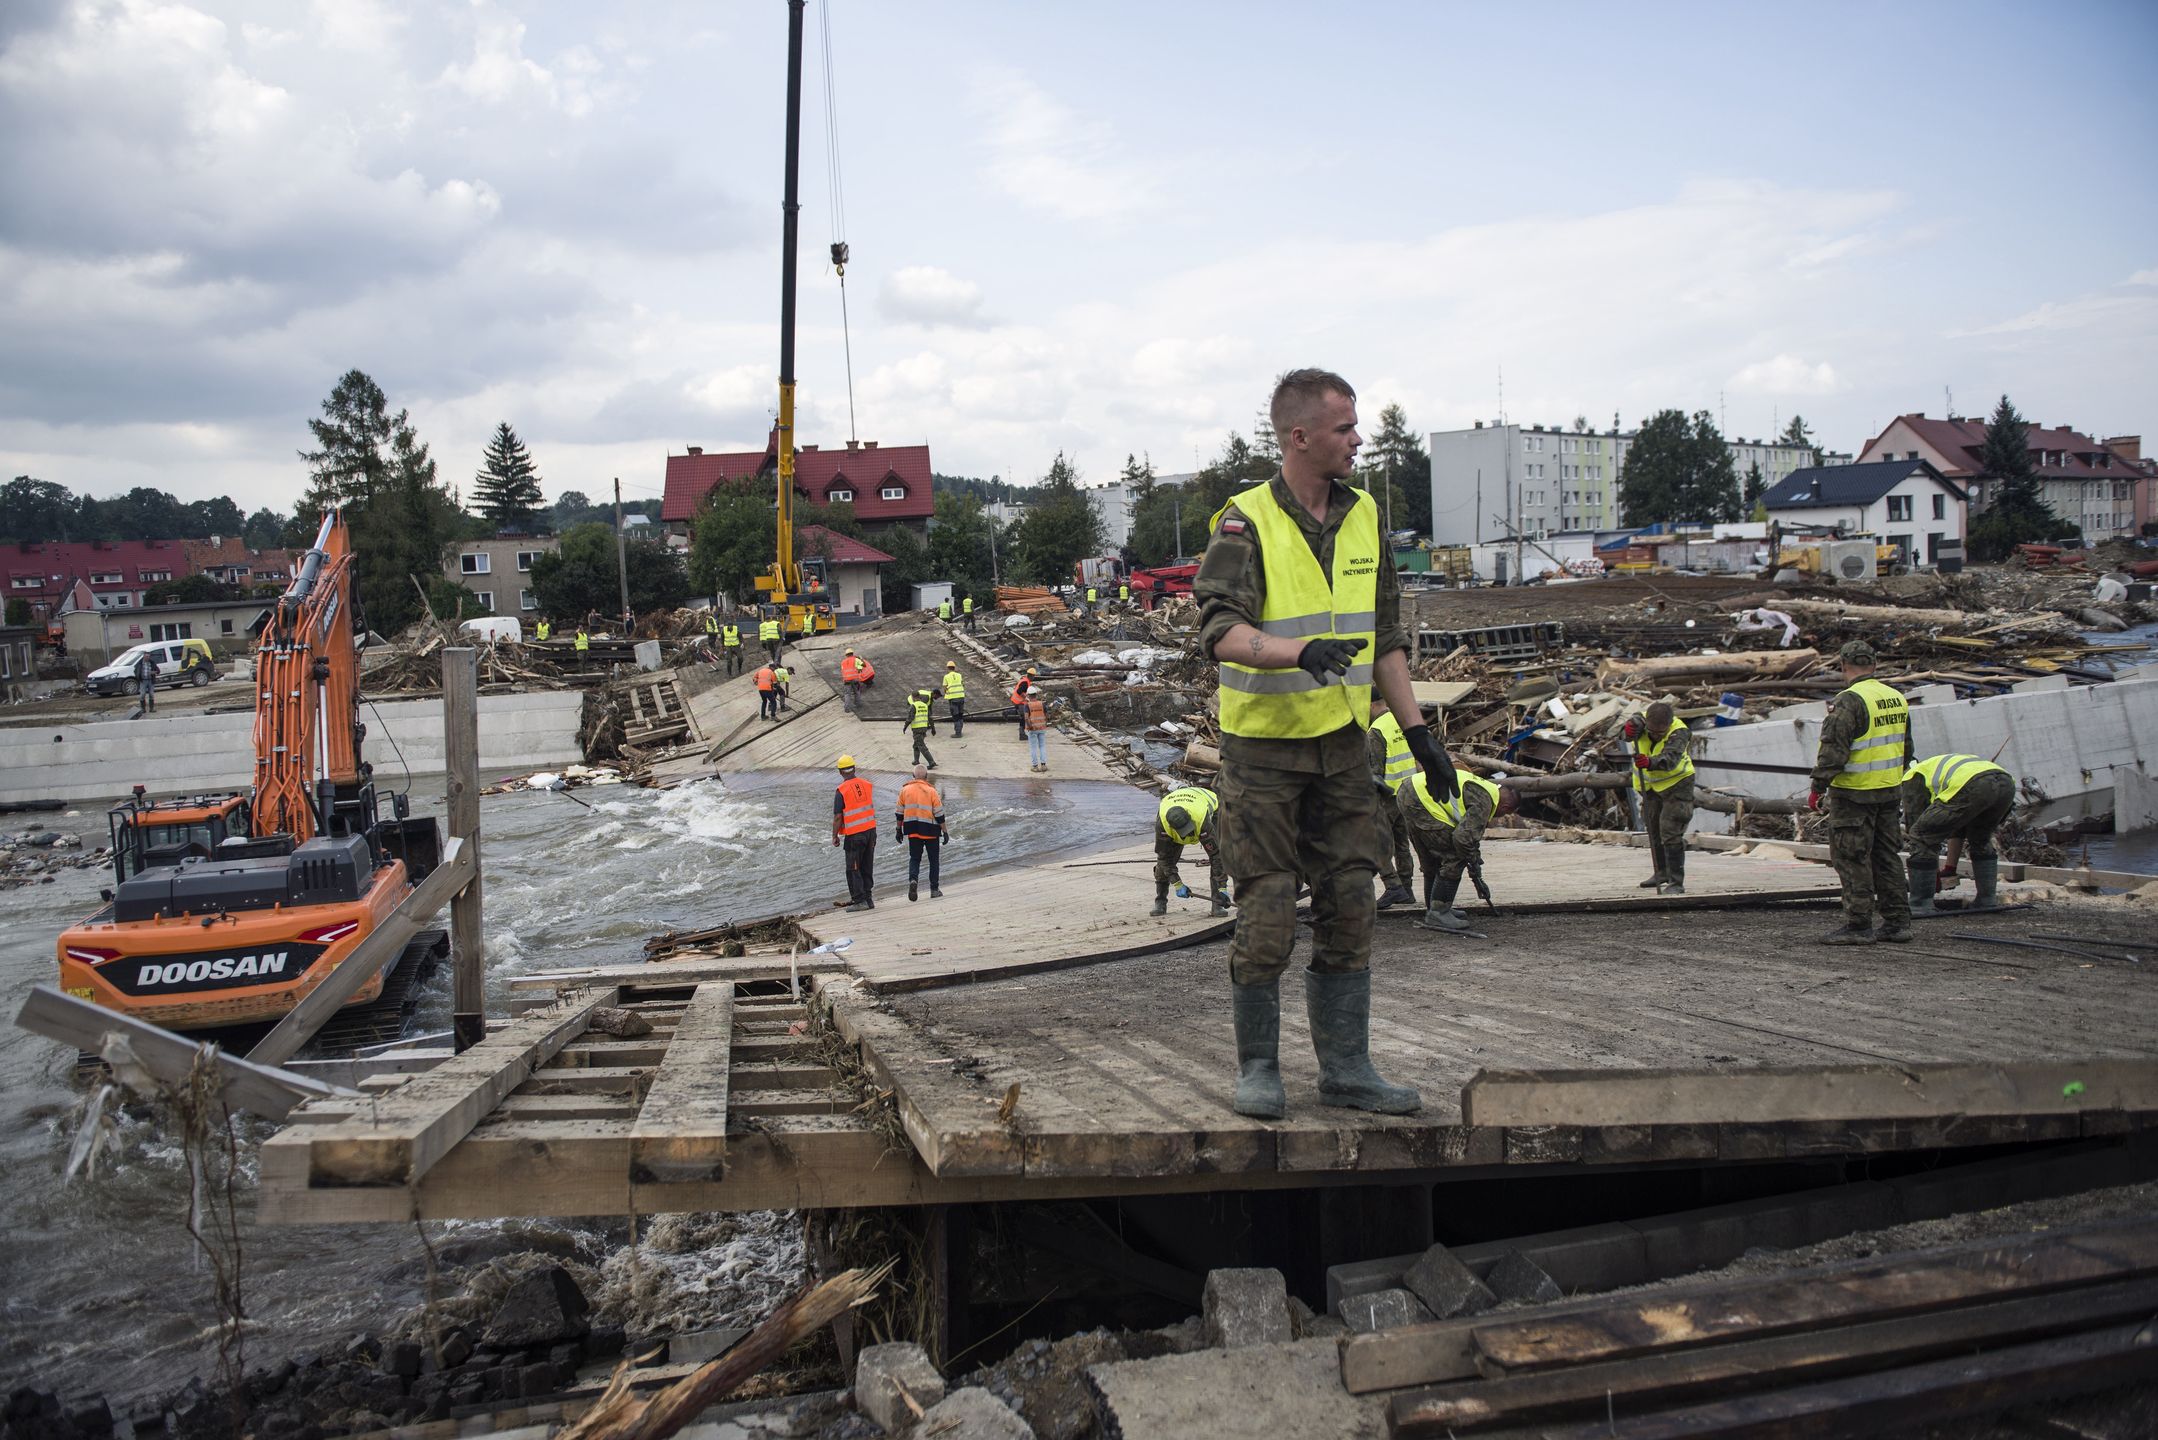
{"x": 836, "y": 196}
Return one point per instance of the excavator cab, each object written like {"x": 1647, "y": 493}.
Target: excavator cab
{"x": 166, "y": 832}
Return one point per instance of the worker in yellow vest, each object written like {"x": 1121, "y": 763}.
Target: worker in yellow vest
{"x": 944, "y": 610}
{"x": 1663, "y": 778}
{"x": 768, "y": 636}
{"x": 543, "y": 631}
{"x": 1963, "y": 798}
{"x": 1300, "y": 606}
{"x": 1186, "y": 817}
{"x": 1093, "y": 598}
{"x": 1449, "y": 838}
{"x": 730, "y": 645}
{"x": 1123, "y": 592}
{"x": 920, "y": 823}
{"x": 854, "y": 827}
{"x": 921, "y": 723}
{"x": 583, "y": 642}
{"x": 955, "y": 697}
{"x": 1386, "y": 752}
{"x": 809, "y": 621}
{"x": 966, "y": 613}
{"x": 1865, "y": 753}
{"x": 711, "y": 624}
{"x": 782, "y": 678}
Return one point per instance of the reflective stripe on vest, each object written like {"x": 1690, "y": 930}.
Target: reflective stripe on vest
{"x": 1302, "y": 603}
{"x": 1657, "y": 778}
{"x": 1400, "y": 760}
{"x": 1199, "y": 804}
{"x": 1450, "y": 812}
{"x": 1946, "y": 774}
{"x": 921, "y": 713}
{"x": 918, "y": 805}
{"x": 1037, "y": 714}
{"x": 850, "y": 669}
{"x": 955, "y": 685}
{"x": 809, "y": 623}
{"x": 767, "y": 629}
{"x": 857, "y": 806}
{"x": 1876, "y": 761}
{"x": 584, "y": 641}
{"x": 731, "y": 636}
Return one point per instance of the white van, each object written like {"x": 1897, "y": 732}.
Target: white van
{"x": 495, "y": 628}
{"x": 179, "y": 662}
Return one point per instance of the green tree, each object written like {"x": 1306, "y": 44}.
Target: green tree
{"x": 142, "y": 513}
{"x": 450, "y": 601}
{"x": 909, "y": 567}
{"x": 731, "y": 542}
{"x": 507, "y": 487}
{"x": 1060, "y": 528}
{"x": 1398, "y": 451}
{"x": 18, "y": 612}
{"x": 188, "y": 590}
{"x": 34, "y": 511}
{"x": 1798, "y": 433}
{"x": 1756, "y": 486}
{"x": 1676, "y": 471}
{"x": 1238, "y": 467}
{"x": 214, "y": 516}
{"x": 264, "y": 530}
{"x": 959, "y": 543}
{"x": 353, "y": 438}
{"x": 2016, "y": 512}
{"x": 581, "y": 577}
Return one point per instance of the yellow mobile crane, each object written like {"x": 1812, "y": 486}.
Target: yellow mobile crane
{"x": 784, "y": 587}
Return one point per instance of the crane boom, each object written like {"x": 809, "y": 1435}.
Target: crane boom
{"x": 307, "y": 682}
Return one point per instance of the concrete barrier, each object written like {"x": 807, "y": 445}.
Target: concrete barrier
{"x": 184, "y": 754}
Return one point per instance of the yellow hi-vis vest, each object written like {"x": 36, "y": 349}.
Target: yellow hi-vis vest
{"x": 1302, "y": 603}
{"x": 966, "y": 606}
{"x": 711, "y": 624}
{"x": 1449, "y": 812}
{"x": 1199, "y": 804}
{"x": 921, "y": 713}
{"x": 731, "y": 637}
{"x": 955, "y": 685}
{"x": 1876, "y": 761}
{"x": 767, "y": 630}
{"x": 1660, "y": 777}
{"x": 1400, "y": 761}
{"x": 545, "y": 630}
{"x": 583, "y": 641}
{"x": 944, "y": 610}
{"x": 1946, "y": 774}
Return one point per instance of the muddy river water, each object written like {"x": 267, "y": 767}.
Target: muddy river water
{"x": 104, "y": 1290}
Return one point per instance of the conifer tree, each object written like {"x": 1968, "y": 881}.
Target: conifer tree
{"x": 507, "y": 487}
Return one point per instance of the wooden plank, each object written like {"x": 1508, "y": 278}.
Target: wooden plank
{"x": 681, "y": 1133}
{"x": 381, "y": 947}
{"x": 1585, "y": 1391}
{"x": 1879, "y": 1290}
{"x": 953, "y": 1136}
{"x": 588, "y": 1080}
{"x": 246, "y": 1085}
{"x": 779, "y": 1075}
{"x": 1774, "y": 1094}
{"x": 461, "y": 762}
{"x": 410, "y": 1130}
{"x": 601, "y": 1106}
{"x": 610, "y": 1052}
{"x": 1891, "y": 1401}
{"x": 790, "y": 1102}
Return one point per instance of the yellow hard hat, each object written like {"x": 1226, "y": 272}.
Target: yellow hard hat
{"x": 951, "y": 664}
{"x": 850, "y": 649}
{"x": 846, "y": 762}
{"x": 1032, "y": 671}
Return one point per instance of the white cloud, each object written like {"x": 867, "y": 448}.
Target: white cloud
{"x": 366, "y": 27}
{"x": 1788, "y": 375}
{"x": 2144, "y": 277}
{"x": 499, "y": 71}
{"x": 2077, "y": 314}
{"x": 930, "y": 295}
{"x": 1047, "y": 157}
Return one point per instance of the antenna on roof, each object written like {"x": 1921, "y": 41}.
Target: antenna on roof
{"x": 1949, "y": 395}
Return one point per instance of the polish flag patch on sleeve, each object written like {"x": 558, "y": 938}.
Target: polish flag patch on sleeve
{"x": 1233, "y": 525}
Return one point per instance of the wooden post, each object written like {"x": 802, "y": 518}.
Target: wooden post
{"x": 461, "y": 750}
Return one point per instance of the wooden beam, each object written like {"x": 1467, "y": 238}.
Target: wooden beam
{"x": 262, "y": 1089}
{"x": 406, "y": 1132}
{"x": 1774, "y": 1094}
{"x": 380, "y": 948}
{"x": 961, "y": 1144}
{"x": 461, "y": 758}
{"x": 681, "y": 1133}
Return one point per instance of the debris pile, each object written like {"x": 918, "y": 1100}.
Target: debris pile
{"x": 34, "y": 857}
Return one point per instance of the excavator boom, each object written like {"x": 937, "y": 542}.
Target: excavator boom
{"x": 307, "y": 682}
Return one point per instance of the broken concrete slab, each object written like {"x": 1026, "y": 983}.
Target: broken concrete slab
{"x": 1518, "y": 1278}
{"x": 1448, "y": 1287}
{"x": 1245, "y": 1307}
{"x": 1382, "y": 1310}
{"x": 973, "y": 1414}
{"x": 882, "y": 1372}
{"x": 1285, "y": 1389}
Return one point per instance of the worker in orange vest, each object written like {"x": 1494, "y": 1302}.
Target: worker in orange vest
{"x": 850, "y": 679}
{"x": 1019, "y": 695}
{"x": 920, "y": 822}
{"x": 767, "y": 693}
{"x": 854, "y": 826}
{"x": 1037, "y": 733}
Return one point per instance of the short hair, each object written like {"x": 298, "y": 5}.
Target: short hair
{"x": 1298, "y": 393}
{"x": 921, "y": 771}
{"x": 1660, "y": 713}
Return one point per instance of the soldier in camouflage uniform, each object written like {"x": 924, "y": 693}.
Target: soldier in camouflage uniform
{"x": 1663, "y": 777}
{"x": 1450, "y": 842}
{"x": 1186, "y": 816}
{"x": 1960, "y": 797}
{"x": 1300, "y": 605}
{"x": 1386, "y": 752}
{"x": 1865, "y": 751}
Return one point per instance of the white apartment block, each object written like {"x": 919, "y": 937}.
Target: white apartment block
{"x": 1114, "y": 503}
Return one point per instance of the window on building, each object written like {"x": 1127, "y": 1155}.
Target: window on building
{"x": 151, "y": 577}
{"x": 1899, "y": 507}
{"x": 526, "y": 600}
{"x": 1940, "y": 507}
{"x": 524, "y": 559}
{"x": 121, "y": 601}
{"x": 486, "y": 598}
{"x": 180, "y": 631}
{"x": 895, "y": 492}
{"x": 835, "y": 496}
{"x": 474, "y": 563}
{"x": 224, "y": 627}
{"x": 24, "y": 582}
{"x": 105, "y": 577}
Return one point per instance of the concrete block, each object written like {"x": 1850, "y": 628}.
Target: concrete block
{"x": 1293, "y": 1389}
{"x": 973, "y": 1414}
{"x": 1446, "y": 1286}
{"x": 1518, "y": 1278}
{"x": 1245, "y": 1307}
{"x": 701, "y": 1345}
{"x": 882, "y": 1371}
{"x": 1382, "y": 1310}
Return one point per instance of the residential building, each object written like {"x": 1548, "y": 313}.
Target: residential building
{"x": 96, "y": 635}
{"x": 1552, "y": 479}
{"x": 852, "y": 569}
{"x": 118, "y": 572}
{"x": 499, "y": 570}
{"x": 1115, "y": 501}
{"x": 18, "y": 659}
{"x": 227, "y": 560}
{"x": 2084, "y": 481}
{"x": 2130, "y": 448}
{"x": 887, "y": 485}
{"x": 1908, "y": 503}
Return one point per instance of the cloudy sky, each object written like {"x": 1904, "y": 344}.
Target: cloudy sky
{"x": 1101, "y": 227}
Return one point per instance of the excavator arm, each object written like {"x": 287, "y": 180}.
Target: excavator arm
{"x": 307, "y": 680}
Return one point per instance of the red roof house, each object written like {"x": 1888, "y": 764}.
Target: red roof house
{"x": 2084, "y": 481}
{"x": 118, "y": 572}
{"x": 887, "y": 485}
{"x": 850, "y": 568}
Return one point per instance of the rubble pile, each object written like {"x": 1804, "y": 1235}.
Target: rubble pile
{"x": 35, "y": 857}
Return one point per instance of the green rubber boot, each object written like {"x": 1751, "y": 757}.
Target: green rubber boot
{"x": 1986, "y": 869}
{"x": 1257, "y": 1012}
{"x": 1161, "y": 899}
{"x": 1439, "y": 909}
{"x": 1340, "y": 1011}
{"x": 1924, "y": 874}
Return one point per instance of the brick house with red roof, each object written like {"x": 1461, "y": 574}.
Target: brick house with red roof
{"x": 117, "y": 572}
{"x": 852, "y": 569}
{"x": 887, "y": 485}
{"x": 2086, "y": 482}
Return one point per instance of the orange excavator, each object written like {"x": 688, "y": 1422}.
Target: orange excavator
{"x": 227, "y": 909}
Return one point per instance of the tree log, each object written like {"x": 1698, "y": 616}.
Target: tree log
{"x": 1738, "y": 665}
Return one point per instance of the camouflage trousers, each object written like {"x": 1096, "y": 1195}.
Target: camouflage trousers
{"x": 1438, "y": 846}
{"x": 1169, "y": 853}
{"x": 1971, "y": 815}
{"x": 1395, "y": 863}
{"x": 1865, "y": 842}
{"x": 1665, "y": 815}
{"x": 1277, "y": 825}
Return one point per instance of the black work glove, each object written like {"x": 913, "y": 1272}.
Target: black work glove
{"x": 1322, "y": 658}
{"x": 1431, "y": 755}
{"x": 1476, "y": 878}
